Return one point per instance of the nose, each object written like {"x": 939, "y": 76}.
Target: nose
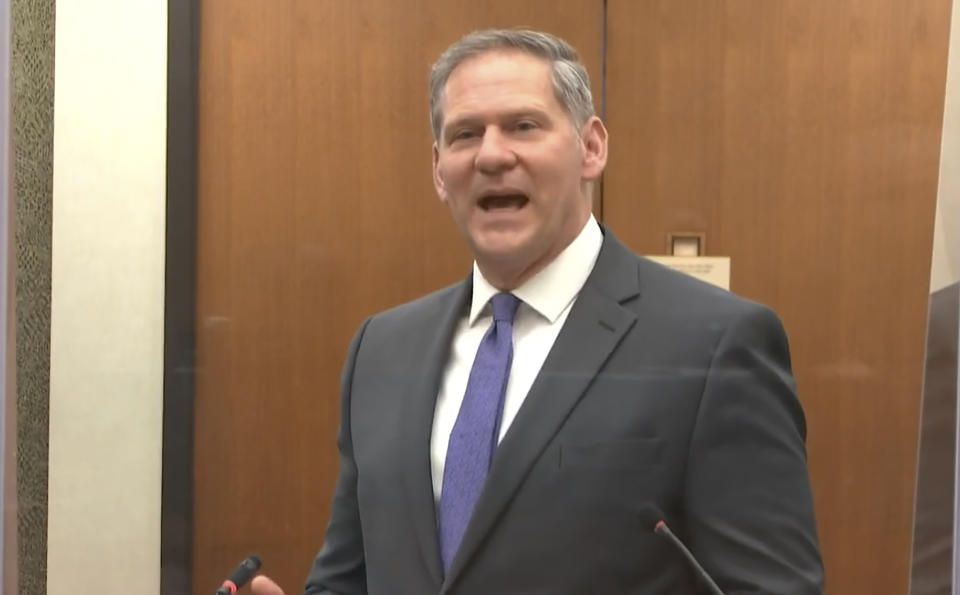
{"x": 495, "y": 153}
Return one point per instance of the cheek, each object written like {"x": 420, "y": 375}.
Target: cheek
{"x": 455, "y": 184}
{"x": 455, "y": 165}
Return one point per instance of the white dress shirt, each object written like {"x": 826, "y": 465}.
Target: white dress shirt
{"x": 546, "y": 299}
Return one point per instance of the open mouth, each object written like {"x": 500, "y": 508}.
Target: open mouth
{"x": 504, "y": 201}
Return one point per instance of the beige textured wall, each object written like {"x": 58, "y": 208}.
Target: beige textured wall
{"x": 945, "y": 268}
{"x": 106, "y": 342}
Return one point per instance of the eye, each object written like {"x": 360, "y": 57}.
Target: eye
{"x": 463, "y": 134}
{"x": 526, "y": 125}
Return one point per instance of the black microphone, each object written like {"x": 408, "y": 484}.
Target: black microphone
{"x": 655, "y": 518}
{"x": 239, "y": 577}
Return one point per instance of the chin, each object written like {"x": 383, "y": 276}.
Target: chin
{"x": 499, "y": 248}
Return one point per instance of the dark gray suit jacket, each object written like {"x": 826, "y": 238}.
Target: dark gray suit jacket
{"x": 659, "y": 389}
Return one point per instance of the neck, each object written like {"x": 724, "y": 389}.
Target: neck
{"x": 509, "y": 273}
{"x": 507, "y": 279}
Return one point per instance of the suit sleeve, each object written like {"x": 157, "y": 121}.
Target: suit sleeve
{"x": 339, "y": 567}
{"x": 748, "y": 503}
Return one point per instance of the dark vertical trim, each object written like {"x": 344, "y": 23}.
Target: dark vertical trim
{"x": 8, "y": 388}
{"x": 603, "y": 63}
{"x": 603, "y": 93}
{"x": 176, "y": 511}
{"x": 33, "y": 24}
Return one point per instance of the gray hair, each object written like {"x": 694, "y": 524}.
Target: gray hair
{"x": 571, "y": 84}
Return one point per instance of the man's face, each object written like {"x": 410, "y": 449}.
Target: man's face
{"x": 511, "y": 165}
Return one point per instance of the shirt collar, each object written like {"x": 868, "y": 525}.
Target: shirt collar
{"x": 552, "y": 289}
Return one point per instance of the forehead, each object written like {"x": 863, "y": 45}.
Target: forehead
{"x": 499, "y": 78}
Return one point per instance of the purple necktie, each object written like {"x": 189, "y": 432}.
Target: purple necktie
{"x": 475, "y": 431}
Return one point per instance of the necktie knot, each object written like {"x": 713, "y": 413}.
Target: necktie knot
{"x": 504, "y": 307}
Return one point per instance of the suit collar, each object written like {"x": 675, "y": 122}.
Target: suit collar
{"x": 616, "y": 274}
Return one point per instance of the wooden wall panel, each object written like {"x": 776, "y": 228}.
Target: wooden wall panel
{"x": 803, "y": 139}
{"x": 315, "y": 210}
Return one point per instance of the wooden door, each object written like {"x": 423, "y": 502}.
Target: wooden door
{"x": 803, "y": 139}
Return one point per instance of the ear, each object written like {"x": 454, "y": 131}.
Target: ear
{"x": 593, "y": 135}
{"x": 438, "y": 182}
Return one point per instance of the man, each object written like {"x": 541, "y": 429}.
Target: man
{"x": 507, "y": 434}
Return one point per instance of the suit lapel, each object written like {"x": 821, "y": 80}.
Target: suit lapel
{"x": 417, "y": 428}
{"x": 593, "y": 329}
